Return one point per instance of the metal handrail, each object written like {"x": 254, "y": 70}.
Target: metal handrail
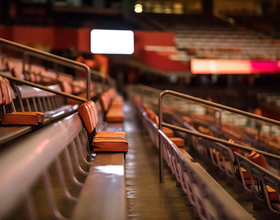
{"x": 53, "y": 58}
{"x": 150, "y": 89}
{"x": 208, "y": 103}
{"x": 221, "y": 141}
{"x": 44, "y": 88}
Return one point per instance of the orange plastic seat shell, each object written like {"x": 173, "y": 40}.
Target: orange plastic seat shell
{"x": 179, "y": 142}
{"x": 272, "y": 194}
{"x": 168, "y": 132}
{"x": 188, "y": 120}
{"x": 87, "y": 116}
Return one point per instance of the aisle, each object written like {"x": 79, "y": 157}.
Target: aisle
{"x": 146, "y": 197}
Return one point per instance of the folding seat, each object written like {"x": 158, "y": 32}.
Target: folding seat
{"x": 188, "y": 120}
{"x": 258, "y": 159}
{"x": 179, "y": 142}
{"x": 106, "y": 141}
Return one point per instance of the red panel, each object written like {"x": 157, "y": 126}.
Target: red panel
{"x": 156, "y": 60}
{"x": 6, "y": 32}
{"x": 33, "y": 36}
{"x": 83, "y": 39}
{"x": 143, "y": 38}
{"x": 65, "y": 38}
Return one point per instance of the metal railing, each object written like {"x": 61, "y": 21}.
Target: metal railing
{"x": 212, "y": 104}
{"x": 27, "y": 51}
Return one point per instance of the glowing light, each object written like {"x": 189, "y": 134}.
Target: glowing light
{"x": 138, "y": 8}
{"x": 111, "y": 42}
{"x": 212, "y": 66}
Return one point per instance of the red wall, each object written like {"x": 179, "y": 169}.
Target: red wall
{"x": 32, "y": 35}
{"x": 142, "y": 38}
{"x": 62, "y": 38}
{"x": 54, "y": 38}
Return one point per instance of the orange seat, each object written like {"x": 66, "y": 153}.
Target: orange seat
{"x": 168, "y": 132}
{"x": 272, "y": 194}
{"x": 179, "y": 142}
{"x": 188, "y": 120}
{"x": 104, "y": 141}
{"x": 114, "y": 115}
{"x": 246, "y": 174}
{"x": 258, "y": 159}
{"x": 87, "y": 116}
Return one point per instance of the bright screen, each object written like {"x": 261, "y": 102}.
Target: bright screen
{"x": 111, "y": 41}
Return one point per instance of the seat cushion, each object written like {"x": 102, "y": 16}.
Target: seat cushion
{"x": 110, "y": 145}
{"x": 179, "y": 142}
{"x": 114, "y": 116}
{"x": 168, "y": 132}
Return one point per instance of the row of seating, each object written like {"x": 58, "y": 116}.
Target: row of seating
{"x": 64, "y": 146}
{"x": 112, "y": 105}
{"x": 39, "y": 74}
{"x": 193, "y": 179}
{"x": 30, "y": 99}
{"x": 224, "y": 157}
{"x": 210, "y": 39}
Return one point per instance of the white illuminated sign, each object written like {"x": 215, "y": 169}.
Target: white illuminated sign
{"x": 111, "y": 41}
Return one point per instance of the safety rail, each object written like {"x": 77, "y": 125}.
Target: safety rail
{"x": 212, "y": 104}
{"x": 50, "y": 57}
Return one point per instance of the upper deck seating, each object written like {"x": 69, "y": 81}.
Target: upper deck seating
{"x": 215, "y": 39}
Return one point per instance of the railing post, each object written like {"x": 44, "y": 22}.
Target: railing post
{"x": 220, "y": 120}
{"x": 88, "y": 81}
{"x": 161, "y": 176}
